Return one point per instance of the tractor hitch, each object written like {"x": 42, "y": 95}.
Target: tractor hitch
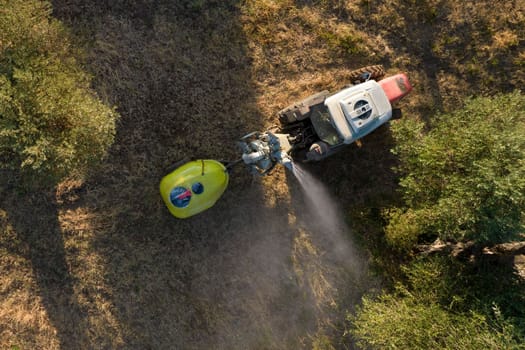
{"x": 262, "y": 151}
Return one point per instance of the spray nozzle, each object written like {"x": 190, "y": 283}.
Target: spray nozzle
{"x": 284, "y": 159}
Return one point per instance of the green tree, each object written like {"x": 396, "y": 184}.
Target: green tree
{"x": 464, "y": 179}
{"x": 51, "y": 122}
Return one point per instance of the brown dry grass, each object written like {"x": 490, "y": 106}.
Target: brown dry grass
{"x": 99, "y": 263}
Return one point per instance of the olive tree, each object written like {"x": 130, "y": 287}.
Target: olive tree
{"x": 51, "y": 121}
{"x": 463, "y": 178}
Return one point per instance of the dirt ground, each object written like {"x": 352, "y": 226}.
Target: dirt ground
{"x": 99, "y": 263}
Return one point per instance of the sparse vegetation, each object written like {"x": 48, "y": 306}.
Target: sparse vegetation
{"x": 98, "y": 262}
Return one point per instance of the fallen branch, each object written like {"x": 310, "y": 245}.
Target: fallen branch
{"x": 458, "y": 249}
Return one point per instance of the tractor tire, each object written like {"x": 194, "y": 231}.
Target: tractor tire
{"x": 377, "y": 72}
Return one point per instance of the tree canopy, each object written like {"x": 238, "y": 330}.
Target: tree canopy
{"x": 464, "y": 179}
{"x": 51, "y": 121}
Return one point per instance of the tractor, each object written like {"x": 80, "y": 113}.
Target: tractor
{"x": 309, "y": 131}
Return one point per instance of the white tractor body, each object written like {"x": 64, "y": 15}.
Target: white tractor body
{"x": 359, "y": 110}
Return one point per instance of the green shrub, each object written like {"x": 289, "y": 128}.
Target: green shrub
{"x": 465, "y": 178}
{"x": 51, "y": 122}
{"x": 393, "y": 322}
{"x": 346, "y": 42}
{"x": 444, "y": 303}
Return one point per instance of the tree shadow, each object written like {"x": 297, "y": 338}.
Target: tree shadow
{"x": 494, "y": 286}
{"x": 33, "y": 216}
{"x": 475, "y": 281}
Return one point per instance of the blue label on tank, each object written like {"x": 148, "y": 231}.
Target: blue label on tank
{"x": 180, "y": 197}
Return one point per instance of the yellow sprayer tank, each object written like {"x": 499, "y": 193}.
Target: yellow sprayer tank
{"x": 194, "y": 187}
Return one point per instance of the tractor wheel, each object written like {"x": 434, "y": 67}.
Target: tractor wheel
{"x": 376, "y": 72}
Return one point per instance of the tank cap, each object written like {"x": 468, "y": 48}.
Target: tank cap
{"x": 197, "y": 188}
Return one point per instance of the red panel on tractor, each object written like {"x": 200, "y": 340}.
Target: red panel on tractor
{"x": 396, "y": 87}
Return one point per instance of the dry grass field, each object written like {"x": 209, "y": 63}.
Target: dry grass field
{"x": 99, "y": 263}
